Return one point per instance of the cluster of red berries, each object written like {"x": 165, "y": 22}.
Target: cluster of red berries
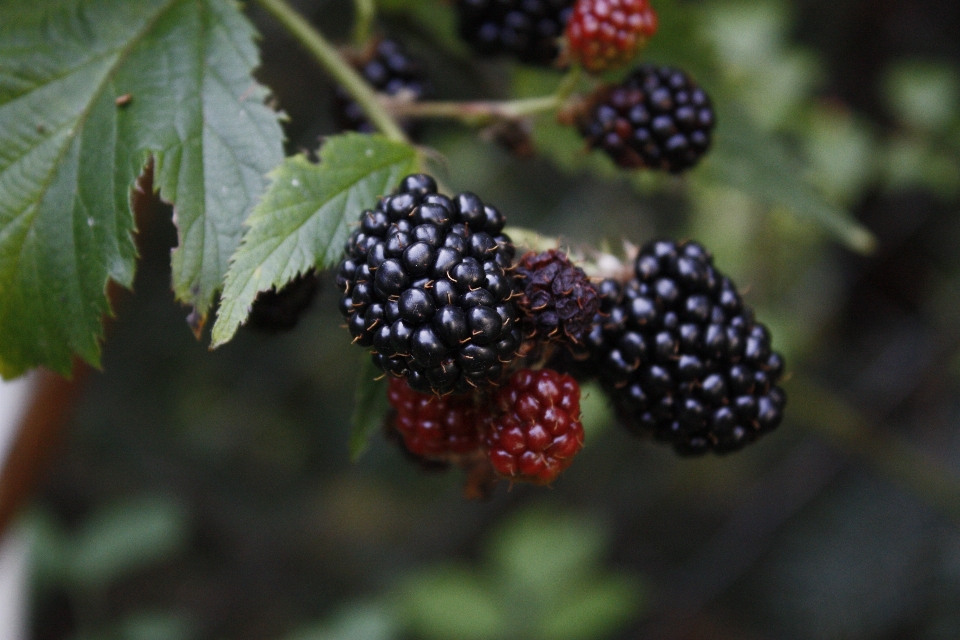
{"x": 528, "y": 430}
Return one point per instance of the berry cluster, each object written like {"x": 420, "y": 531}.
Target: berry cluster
{"x": 390, "y": 70}
{"x": 425, "y": 285}
{"x": 605, "y": 34}
{"x": 528, "y": 430}
{"x": 430, "y": 287}
{"x": 527, "y": 29}
{"x": 681, "y": 355}
{"x": 658, "y": 118}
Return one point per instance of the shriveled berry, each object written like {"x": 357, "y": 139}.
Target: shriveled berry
{"x": 558, "y": 301}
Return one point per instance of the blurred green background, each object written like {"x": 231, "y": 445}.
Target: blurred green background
{"x": 210, "y": 495}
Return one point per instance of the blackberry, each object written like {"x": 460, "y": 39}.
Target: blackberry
{"x": 681, "y": 355}
{"x": 658, "y": 118}
{"x": 527, "y": 29}
{"x": 390, "y": 70}
{"x": 426, "y": 287}
{"x": 558, "y": 301}
{"x": 434, "y": 428}
{"x": 274, "y": 311}
{"x": 605, "y": 34}
{"x": 536, "y": 431}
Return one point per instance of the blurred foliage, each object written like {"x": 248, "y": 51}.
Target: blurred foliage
{"x": 539, "y": 579}
{"x": 832, "y": 527}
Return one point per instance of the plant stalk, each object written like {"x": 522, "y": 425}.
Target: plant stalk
{"x": 483, "y": 111}
{"x": 331, "y": 60}
{"x": 364, "y": 13}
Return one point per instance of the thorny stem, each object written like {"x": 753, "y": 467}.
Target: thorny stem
{"x": 328, "y": 57}
{"x": 484, "y": 111}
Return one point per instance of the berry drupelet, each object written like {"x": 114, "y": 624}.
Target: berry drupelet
{"x": 536, "y": 430}
{"x": 681, "y": 355}
{"x": 390, "y": 70}
{"x": 527, "y": 29}
{"x": 605, "y": 34}
{"x": 658, "y": 118}
{"x": 425, "y": 286}
{"x": 434, "y": 428}
{"x": 558, "y": 301}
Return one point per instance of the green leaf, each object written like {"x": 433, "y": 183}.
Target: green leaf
{"x": 923, "y": 94}
{"x": 89, "y": 90}
{"x": 539, "y": 550}
{"x": 304, "y": 219}
{"x": 451, "y": 603}
{"x": 370, "y": 405}
{"x": 594, "y": 609}
{"x": 757, "y": 163}
{"x": 126, "y": 537}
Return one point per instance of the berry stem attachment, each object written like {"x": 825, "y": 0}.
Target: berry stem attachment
{"x": 482, "y": 112}
{"x": 328, "y": 57}
{"x": 364, "y": 13}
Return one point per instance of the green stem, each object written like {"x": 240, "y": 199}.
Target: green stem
{"x": 478, "y": 112}
{"x": 484, "y": 111}
{"x": 328, "y": 57}
{"x": 364, "y": 12}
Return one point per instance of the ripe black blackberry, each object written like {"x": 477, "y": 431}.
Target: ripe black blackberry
{"x": 658, "y": 118}
{"x": 275, "y": 311}
{"x": 425, "y": 285}
{"x": 681, "y": 355}
{"x": 528, "y": 29}
{"x": 390, "y": 70}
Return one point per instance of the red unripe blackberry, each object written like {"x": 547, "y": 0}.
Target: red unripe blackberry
{"x": 389, "y": 70}
{"x": 658, "y": 118}
{"x": 434, "y": 427}
{"x": 558, "y": 301}
{"x": 274, "y": 311}
{"x": 536, "y": 430}
{"x": 425, "y": 287}
{"x": 527, "y": 29}
{"x": 681, "y": 355}
{"x": 605, "y": 34}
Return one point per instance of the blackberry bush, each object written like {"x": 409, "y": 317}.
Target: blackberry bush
{"x": 426, "y": 287}
{"x": 658, "y": 118}
{"x": 527, "y": 29}
{"x": 682, "y": 357}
